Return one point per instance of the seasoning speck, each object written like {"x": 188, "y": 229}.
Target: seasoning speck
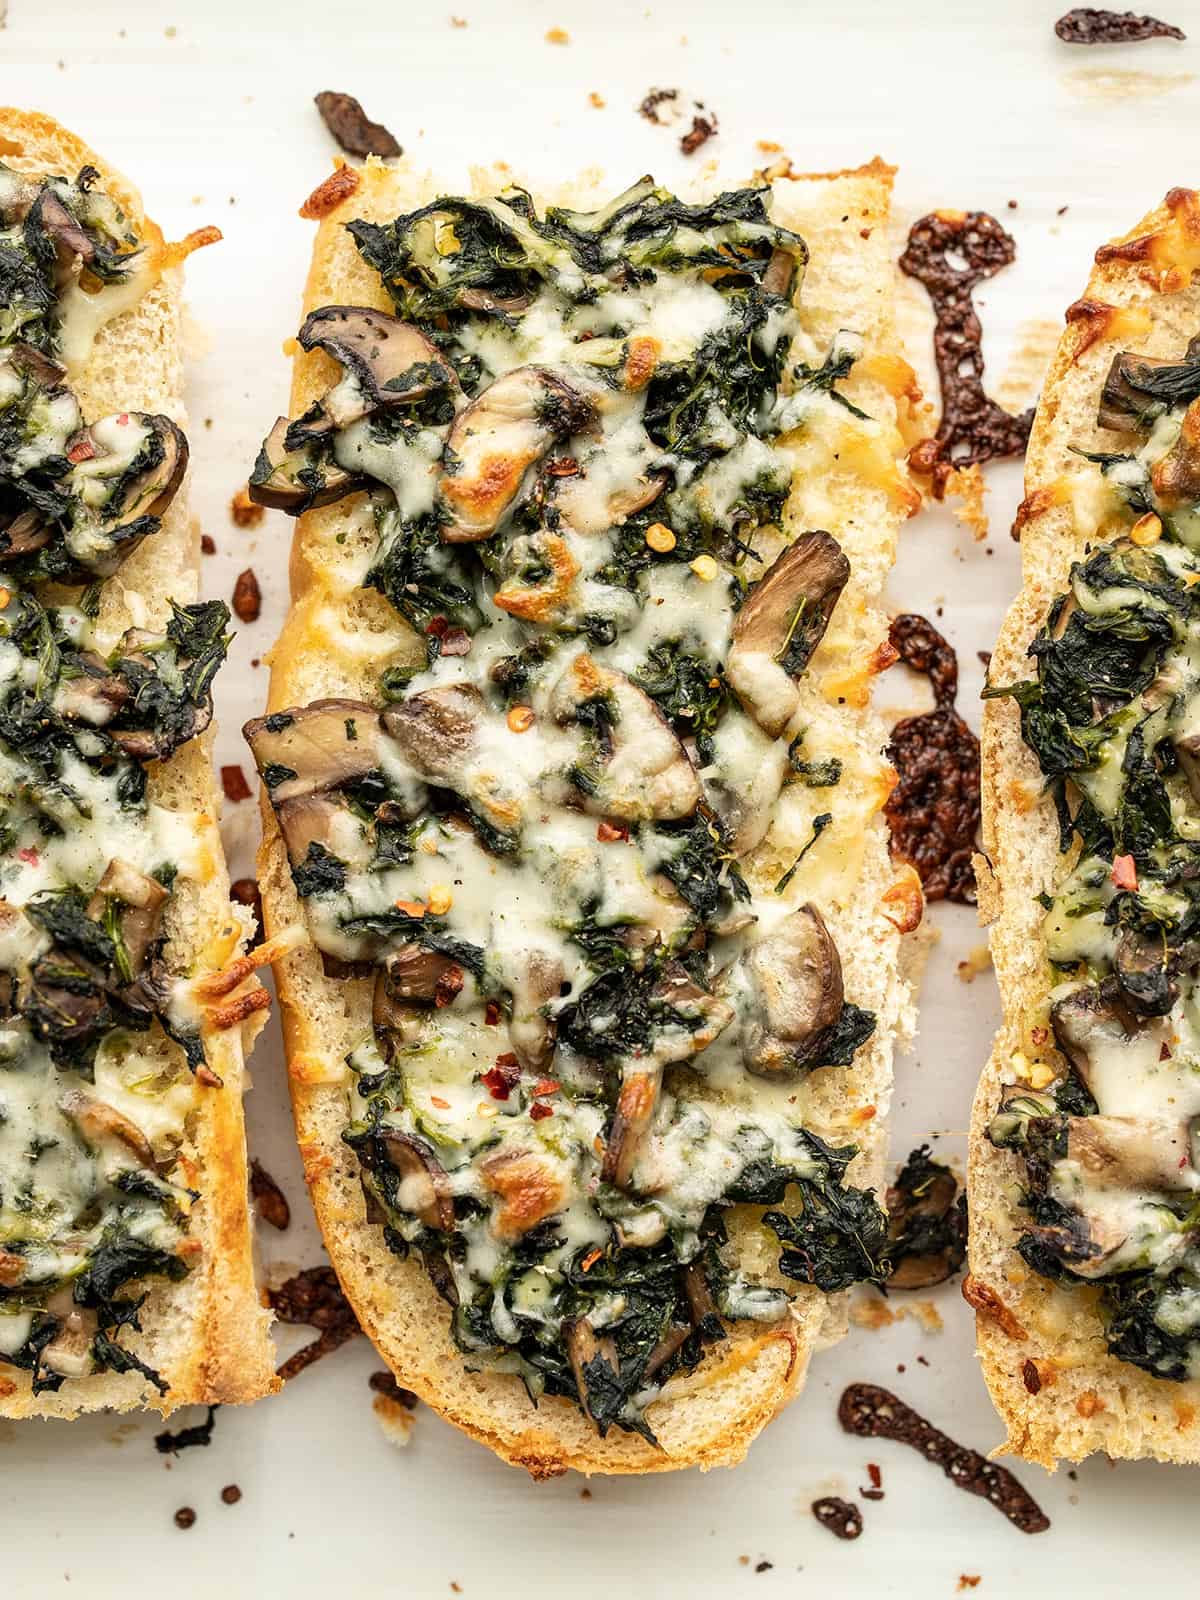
{"x": 247, "y": 597}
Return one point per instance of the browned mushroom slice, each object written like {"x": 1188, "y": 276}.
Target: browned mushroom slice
{"x": 1125, "y": 405}
{"x": 504, "y": 305}
{"x": 790, "y": 986}
{"x": 440, "y": 734}
{"x": 584, "y": 1350}
{"x": 396, "y": 1022}
{"x": 1089, "y": 1024}
{"x": 387, "y": 362}
{"x": 782, "y": 622}
{"x": 929, "y": 1239}
{"x": 695, "y": 1019}
{"x": 1133, "y": 1152}
{"x": 44, "y": 371}
{"x": 425, "y": 1191}
{"x": 531, "y": 1032}
{"x": 419, "y": 976}
{"x": 634, "y": 1114}
{"x": 529, "y": 1188}
{"x": 102, "y": 1125}
{"x": 635, "y": 767}
{"x": 92, "y": 699}
{"x": 140, "y": 901}
{"x": 71, "y": 242}
{"x": 1187, "y": 750}
{"x": 306, "y": 749}
{"x": 496, "y": 439}
{"x": 297, "y": 480}
{"x": 1176, "y": 478}
{"x": 25, "y": 534}
{"x": 131, "y": 471}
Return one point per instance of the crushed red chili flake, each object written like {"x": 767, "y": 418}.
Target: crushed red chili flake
{"x": 247, "y": 597}
{"x": 233, "y": 782}
{"x": 455, "y": 642}
{"x": 384, "y": 1383}
{"x": 1090, "y": 25}
{"x": 314, "y": 1297}
{"x": 1031, "y": 1377}
{"x": 352, "y": 128}
{"x": 546, "y": 1086}
{"x": 448, "y": 986}
{"x": 499, "y": 1081}
{"x": 82, "y": 450}
{"x": 934, "y": 810}
{"x": 973, "y": 428}
{"x": 438, "y": 627}
{"x": 539, "y": 1111}
{"x": 874, "y": 1413}
{"x": 270, "y": 1202}
{"x": 208, "y": 545}
{"x": 843, "y": 1519}
{"x": 491, "y": 1013}
{"x": 244, "y": 891}
{"x": 611, "y": 832}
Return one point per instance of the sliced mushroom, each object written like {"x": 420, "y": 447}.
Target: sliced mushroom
{"x": 790, "y": 986}
{"x": 415, "y": 975}
{"x": 141, "y": 901}
{"x": 112, "y": 500}
{"x": 696, "y": 1016}
{"x": 745, "y": 778}
{"x": 24, "y": 535}
{"x": 926, "y": 1227}
{"x": 425, "y": 1191}
{"x": 297, "y": 480}
{"x": 635, "y": 768}
{"x": 537, "y": 981}
{"x": 780, "y": 273}
{"x": 69, "y": 1353}
{"x": 1088, "y": 1023}
{"x": 1176, "y": 478}
{"x": 93, "y": 698}
{"x": 387, "y": 362}
{"x": 584, "y": 1349}
{"x": 1133, "y": 1152}
{"x": 71, "y": 242}
{"x": 530, "y": 1189}
{"x": 66, "y": 1002}
{"x": 310, "y": 748}
{"x": 1127, "y": 407}
{"x": 309, "y": 819}
{"x": 27, "y": 358}
{"x": 1142, "y": 966}
{"x": 782, "y": 622}
{"x": 511, "y": 305}
{"x": 634, "y": 1114}
{"x": 101, "y": 1124}
{"x": 396, "y": 1022}
{"x": 496, "y": 439}
{"x": 441, "y": 735}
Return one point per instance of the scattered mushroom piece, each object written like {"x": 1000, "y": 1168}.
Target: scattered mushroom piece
{"x": 496, "y": 439}
{"x": 70, "y": 240}
{"x": 537, "y": 981}
{"x": 1086, "y": 1023}
{"x": 927, "y": 1224}
{"x": 296, "y": 480}
{"x": 745, "y": 778}
{"x": 584, "y": 1350}
{"x": 424, "y": 1186}
{"x": 1125, "y": 405}
{"x": 1133, "y": 1152}
{"x": 387, "y": 362}
{"x": 415, "y": 975}
{"x": 789, "y": 984}
{"x": 635, "y": 768}
{"x": 310, "y": 748}
{"x": 782, "y": 622}
{"x": 141, "y": 901}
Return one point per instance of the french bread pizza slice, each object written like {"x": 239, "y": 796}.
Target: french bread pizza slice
{"x": 125, "y": 1248}
{"x": 570, "y": 774}
{"x": 1085, "y": 1187}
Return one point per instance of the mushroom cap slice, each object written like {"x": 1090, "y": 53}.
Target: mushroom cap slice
{"x": 745, "y": 779}
{"x": 791, "y": 982}
{"x": 131, "y": 473}
{"x": 417, "y": 976}
{"x": 322, "y": 746}
{"x": 296, "y": 481}
{"x": 496, "y": 439}
{"x": 1088, "y": 1021}
{"x": 142, "y": 901}
{"x": 780, "y": 625}
{"x": 1135, "y": 393}
{"x": 636, "y": 768}
{"x": 425, "y": 1190}
{"x": 530, "y": 1189}
{"x": 1133, "y": 1152}
{"x": 1176, "y": 478}
{"x": 446, "y": 737}
{"x": 387, "y": 362}
{"x": 584, "y": 1349}
{"x": 636, "y": 1104}
{"x": 537, "y": 981}
{"x": 103, "y": 1125}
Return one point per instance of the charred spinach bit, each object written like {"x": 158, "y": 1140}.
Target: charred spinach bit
{"x": 927, "y": 1223}
{"x": 393, "y": 927}
{"x": 839, "y": 1237}
{"x": 820, "y": 774}
{"x": 319, "y": 873}
{"x": 421, "y": 576}
{"x": 820, "y": 823}
{"x": 836, "y": 366}
{"x": 703, "y": 869}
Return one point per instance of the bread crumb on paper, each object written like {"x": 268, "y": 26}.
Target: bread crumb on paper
{"x": 557, "y": 36}
{"x": 978, "y": 960}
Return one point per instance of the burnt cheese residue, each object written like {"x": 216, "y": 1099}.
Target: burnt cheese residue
{"x": 875, "y": 1413}
{"x": 1093, "y": 25}
{"x": 841, "y": 1517}
{"x": 973, "y": 428}
{"x": 1101, "y": 1103}
{"x": 565, "y": 837}
{"x": 934, "y": 810}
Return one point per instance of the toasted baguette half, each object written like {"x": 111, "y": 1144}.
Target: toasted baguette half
{"x": 207, "y": 1336}
{"x": 1060, "y": 1394}
{"x": 337, "y": 640}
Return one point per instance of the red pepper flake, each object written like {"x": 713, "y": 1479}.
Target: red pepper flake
{"x": 247, "y": 597}
{"x": 1164, "y": 1053}
{"x": 611, "y": 832}
{"x": 438, "y": 627}
{"x": 491, "y": 1013}
{"x": 540, "y": 1110}
{"x": 28, "y": 855}
{"x": 1124, "y": 872}
{"x": 546, "y": 1086}
{"x": 590, "y": 1260}
{"x": 436, "y": 1100}
{"x": 501, "y": 1078}
{"x": 448, "y": 987}
{"x": 233, "y": 781}
{"x": 1039, "y": 1035}
{"x": 875, "y": 1475}
{"x": 208, "y": 545}
{"x": 456, "y": 642}
{"x": 123, "y": 419}
{"x": 82, "y": 450}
